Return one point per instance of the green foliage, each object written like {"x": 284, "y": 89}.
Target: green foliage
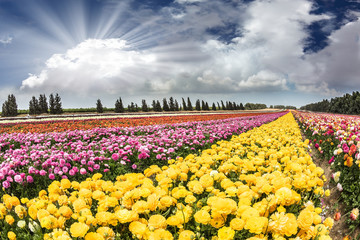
{"x": 347, "y": 104}
{"x": 254, "y": 106}
{"x": 197, "y": 105}
{"x": 34, "y": 107}
{"x": 144, "y": 106}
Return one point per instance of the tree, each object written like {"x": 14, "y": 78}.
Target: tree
{"x": 213, "y": 106}
{"x": 158, "y": 106}
{"x": 119, "y": 107}
{"x": 58, "y": 107}
{"x": 144, "y": 106}
{"x": 176, "y": 106}
{"x": 242, "y": 107}
{"x": 165, "y": 105}
{"x": 99, "y": 106}
{"x": 52, "y": 104}
{"x": 203, "y": 106}
{"x": 222, "y": 105}
{"x": 184, "y": 104}
{"x": 189, "y": 105}
{"x": 34, "y": 107}
{"x": 43, "y": 104}
{"x": 9, "y": 107}
{"x": 171, "y": 104}
{"x": 197, "y": 105}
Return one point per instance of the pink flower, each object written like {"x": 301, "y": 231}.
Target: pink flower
{"x": 332, "y": 159}
{"x": 106, "y": 170}
{"x": 29, "y": 179}
{"x": 115, "y": 156}
{"x": 72, "y": 172}
{"x": 316, "y": 145}
{"x": 42, "y": 172}
{"x": 345, "y": 148}
{"x": 6, "y": 184}
{"x": 18, "y": 179}
{"x": 51, "y": 176}
{"x": 96, "y": 166}
{"x": 134, "y": 166}
{"x": 123, "y": 162}
{"x": 83, "y": 171}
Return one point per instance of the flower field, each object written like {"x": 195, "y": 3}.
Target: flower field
{"x": 337, "y": 139}
{"x": 61, "y": 124}
{"x": 38, "y": 158}
{"x": 260, "y": 184}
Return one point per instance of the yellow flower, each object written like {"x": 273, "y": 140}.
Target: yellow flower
{"x": 94, "y": 236}
{"x": 327, "y": 193}
{"x": 78, "y": 229}
{"x": 329, "y": 222}
{"x": 256, "y": 225}
{"x": 161, "y": 234}
{"x": 206, "y": 181}
{"x": 237, "y": 224}
{"x": 157, "y": 221}
{"x": 11, "y": 235}
{"x": 106, "y": 232}
{"x": 187, "y": 235}
{"x": 79, "y": 204}
{"x": 65, "y": 183}
{"x": 65, "y": 211}
{"x": 202, "y": 217}
{"x": 226, "y": 233}
{"x": 305, "y": 219}
{"x": 138, "y": 229}
{"x": 9, "y": 219}
{"x": 190, "y": 199}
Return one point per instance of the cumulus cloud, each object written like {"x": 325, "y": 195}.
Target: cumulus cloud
{"x": 265, "y": 55}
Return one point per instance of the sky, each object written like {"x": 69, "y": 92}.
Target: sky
{"x": 277, "y": 52}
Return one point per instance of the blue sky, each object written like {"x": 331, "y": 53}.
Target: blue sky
{"x": 290, "y": 52}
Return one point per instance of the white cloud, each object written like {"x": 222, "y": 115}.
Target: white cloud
{"x": 93, "y": 66}
{"x": 189, "y": 1}
{"x": 6, "y": 40}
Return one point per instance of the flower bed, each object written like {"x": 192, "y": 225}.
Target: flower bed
{"x": 66, "y": 124}
{"x": 261, "y": 184}
{"x": 337, "y": 139}
{"x": 37, "y": 159}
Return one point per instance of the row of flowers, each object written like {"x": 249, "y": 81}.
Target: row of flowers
{"x": 261, "y": 184}
{"x": 61, "y": 124}
{"x": 337, "y": 140}
{"x": 38, "y": 158}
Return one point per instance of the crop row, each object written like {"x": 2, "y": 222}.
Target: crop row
{"x": 61, "y": 125}
{"x": 261, "y": 184}
{"x": 35, "y": 159}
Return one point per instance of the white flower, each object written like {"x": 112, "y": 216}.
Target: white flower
{"x": 339, "y": 187}
{"x": 213, "y": 172}
{"x": 33, "y": 226}
{"x": 21, "y": 224}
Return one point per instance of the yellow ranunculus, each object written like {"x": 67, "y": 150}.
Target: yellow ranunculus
{"x": 157, "y": 221}
{"x": 226, "y": 233}
{"x": 78, "y": 229}
{"x": 202, "y": 217}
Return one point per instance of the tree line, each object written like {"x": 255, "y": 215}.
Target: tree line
{"x": 347, "y": 104}
{"x": 41, "y": 105}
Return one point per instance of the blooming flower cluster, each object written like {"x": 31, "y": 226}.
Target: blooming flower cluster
{"x": 31, "y": 158}
{"x": 261, "y": 184}
{"x": 337, "y": 138}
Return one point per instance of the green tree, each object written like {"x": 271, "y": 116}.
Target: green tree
{"x": 144, "y": 106}
{"x": 58, "y": 104}
{"x": 9, "y": 107}
{"x": 43, "y": 104}
{"x": 213, "y": 106}
{"x": 171, "y": 104}
{"x": 165, "y": 105}
{"x": 119, "y": 107}
{"x": 52, "y": 104}
{"x": 34, "y": 107}
{"x": 197, "y": 105}
{"x": 99, "y": 106}
{"x": 184, "y": 104}
{"x": 189, "y": 105}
